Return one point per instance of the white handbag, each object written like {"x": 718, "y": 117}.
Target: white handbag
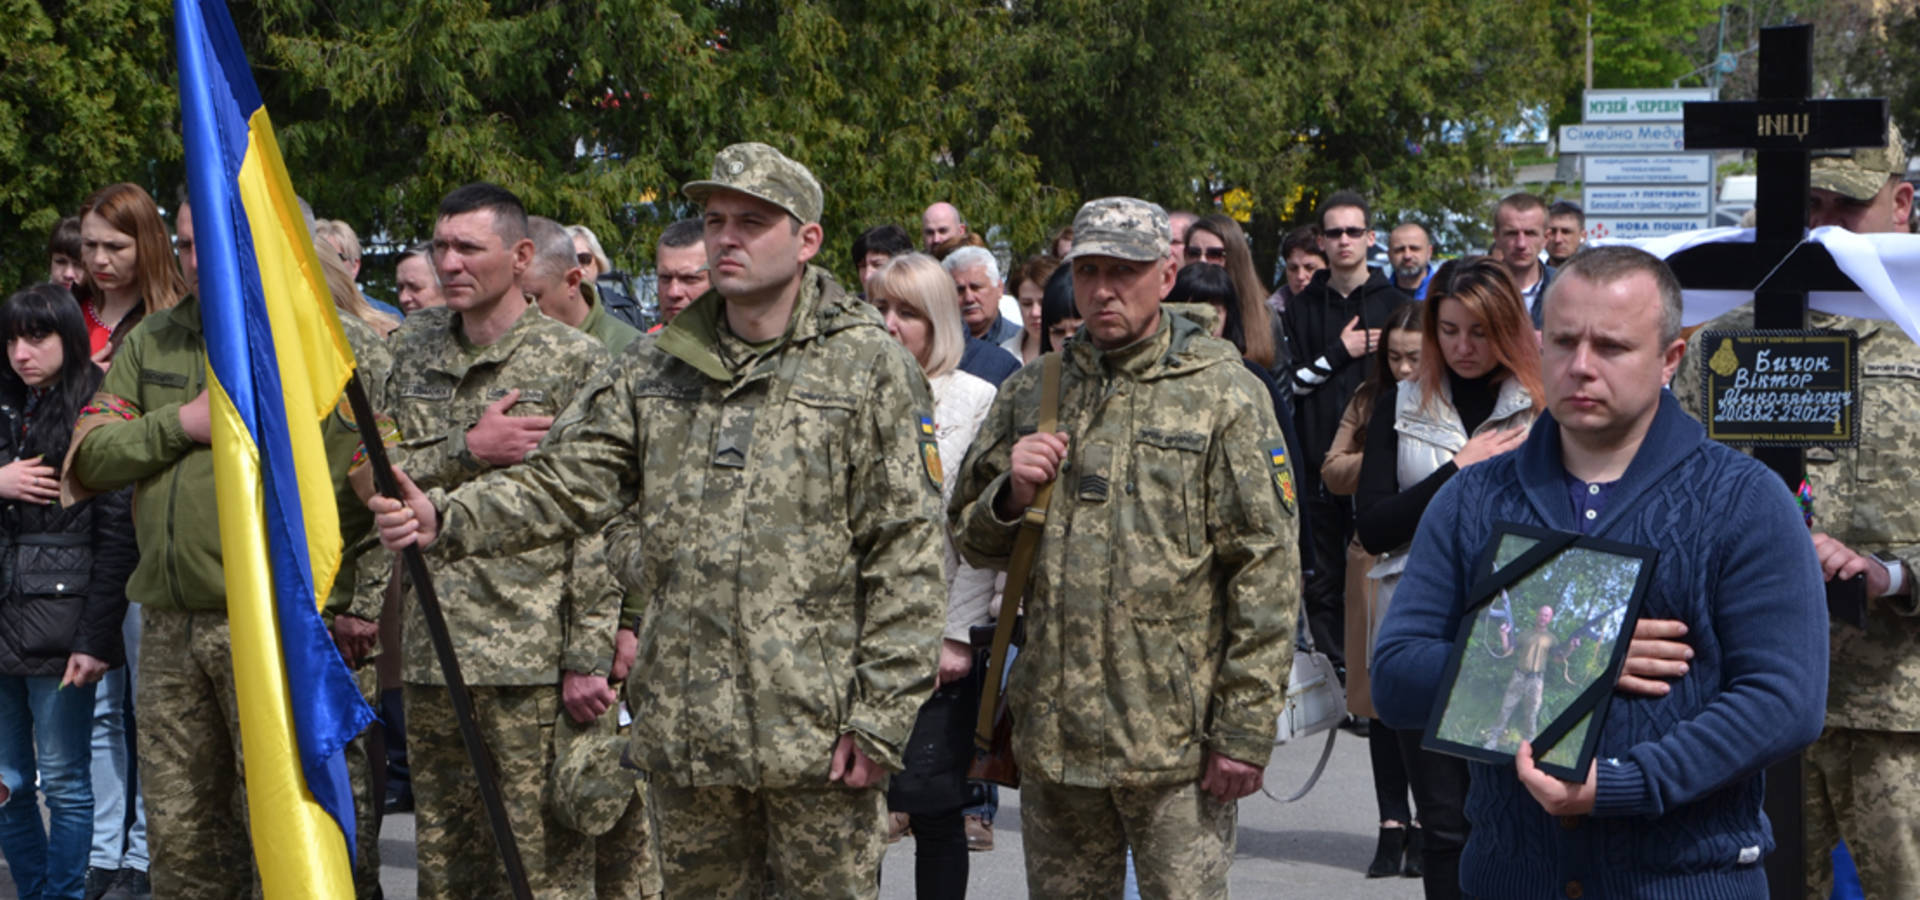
{"x": 1316, "y": 702}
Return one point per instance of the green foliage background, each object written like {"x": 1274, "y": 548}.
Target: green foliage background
{"x": 1015, "y": 110}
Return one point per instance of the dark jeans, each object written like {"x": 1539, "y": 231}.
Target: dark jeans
{"x": 1326, "y": 592}
{"x": 939, "y": 856}
{"x": 1440, "y": 792}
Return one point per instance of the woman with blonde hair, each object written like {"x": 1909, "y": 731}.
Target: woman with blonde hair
{"x": 1474, "y": 397}
{"x": 347, "y": 297}
{"x": 128, "y": 255}
{"x": 921, "y": 307}
{"x": 586, "y": 250}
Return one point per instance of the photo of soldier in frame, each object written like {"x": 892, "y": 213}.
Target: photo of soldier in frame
{"x": 1539, "y": 648}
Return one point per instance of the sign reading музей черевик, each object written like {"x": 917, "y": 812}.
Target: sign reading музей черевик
{"x": 1782, "y": 388}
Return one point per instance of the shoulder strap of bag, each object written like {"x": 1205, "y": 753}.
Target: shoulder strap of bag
{"x": 1020, "y": 567}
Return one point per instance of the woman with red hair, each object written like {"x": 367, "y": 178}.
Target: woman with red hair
{"x": 129, "y": 260}
{"x": 1475, "y": 396}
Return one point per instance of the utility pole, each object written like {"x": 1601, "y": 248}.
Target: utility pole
{"x": 1589, "y": 45}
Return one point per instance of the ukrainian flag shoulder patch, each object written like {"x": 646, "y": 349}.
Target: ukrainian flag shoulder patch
{"x": 1280, "y": 472}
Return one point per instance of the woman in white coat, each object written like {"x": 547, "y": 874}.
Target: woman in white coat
{"x": 1475, "y": 396}
{"x": 922, "y": 311}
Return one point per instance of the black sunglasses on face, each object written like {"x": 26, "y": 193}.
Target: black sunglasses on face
{"x": 1352, "y": 232}
{"x": 1216, "y": 254}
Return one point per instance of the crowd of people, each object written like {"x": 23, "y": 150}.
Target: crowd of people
{"x": 744, "y": 565}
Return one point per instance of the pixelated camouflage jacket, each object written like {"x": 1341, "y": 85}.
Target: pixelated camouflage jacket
{"x": 372, "y": 361}
{"x": 792, "y": 555}
{"x": 514, "y": 618}
{"x": 1864, "y": 497}
{"x": 1161, "y": 614}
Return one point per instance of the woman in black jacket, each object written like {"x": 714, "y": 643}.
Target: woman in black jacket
{"x": 63, "y": 571}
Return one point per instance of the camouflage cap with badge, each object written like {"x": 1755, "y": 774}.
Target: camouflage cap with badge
{"x": 1123, "y": 228}
{"x": 1859, "y": 173}
{"x": 758, "y": 170}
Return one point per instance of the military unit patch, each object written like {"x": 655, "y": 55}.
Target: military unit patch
{"x": 1282, "y": 474}
{"x": 930, "y": 458}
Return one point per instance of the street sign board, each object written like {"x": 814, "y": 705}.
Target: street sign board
{"x": 1679, "y": 168}
{"x": 1648, "y": 137}
{"x": 1641, "y": 105}
{"x": 1641, "y": 226}
{"x": 1651, "y": 200}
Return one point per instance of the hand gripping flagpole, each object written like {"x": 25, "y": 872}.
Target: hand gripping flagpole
{"x": 486, "y": 772}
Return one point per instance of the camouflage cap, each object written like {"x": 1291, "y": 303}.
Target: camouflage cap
{"x": 1861, "y": 172}
{"x": 591, "y": 789}
{"x": 758, "y": 170}
{"x": 1123, "y": 228}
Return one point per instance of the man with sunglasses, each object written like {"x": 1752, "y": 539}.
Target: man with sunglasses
{"x": 1331, "y": 327}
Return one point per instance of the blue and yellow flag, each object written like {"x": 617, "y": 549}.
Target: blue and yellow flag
{"x": 278, "y": 362}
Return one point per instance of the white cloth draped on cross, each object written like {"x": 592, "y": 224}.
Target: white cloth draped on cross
{"x": 1885, "y": 266}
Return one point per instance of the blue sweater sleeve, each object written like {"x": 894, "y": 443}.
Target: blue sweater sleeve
{"x": 1770, "y": 627}
{"x": 1411, "y": 652}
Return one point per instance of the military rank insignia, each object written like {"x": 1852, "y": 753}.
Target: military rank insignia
{"x": 1281, "y": 473}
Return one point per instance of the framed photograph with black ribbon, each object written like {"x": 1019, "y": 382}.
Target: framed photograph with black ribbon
{"x": 1537, "y": 654}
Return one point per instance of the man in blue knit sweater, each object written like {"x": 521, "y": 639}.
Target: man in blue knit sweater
{"x": 1671, "y": 806}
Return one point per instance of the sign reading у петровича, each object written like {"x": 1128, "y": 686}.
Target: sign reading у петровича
{"x": 1782, "y": 388}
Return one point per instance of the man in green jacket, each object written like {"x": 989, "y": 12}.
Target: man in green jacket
{"x": 149, "y": 426}
{"x": 1159, "y": 621}
{"x": 553, "y": 281}
{"x": 768, "y": 447}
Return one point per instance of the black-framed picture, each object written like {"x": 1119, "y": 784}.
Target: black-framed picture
{"x": 1537, "y": 654}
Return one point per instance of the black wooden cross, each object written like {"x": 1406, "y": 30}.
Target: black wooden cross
{"x": 1784, "y": 127}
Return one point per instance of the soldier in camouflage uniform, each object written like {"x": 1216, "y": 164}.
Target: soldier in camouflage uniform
{"x": 1863, "y": 774}
{"x": 1159, "y": 625}
{"x": 769, "y": 448}
{"x": 473, "y": 388}
{"x": 625, "y": 867}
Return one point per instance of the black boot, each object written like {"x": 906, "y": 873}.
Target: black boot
{"x": 1386, "y": 856}
{"x": 1415, "y": 845}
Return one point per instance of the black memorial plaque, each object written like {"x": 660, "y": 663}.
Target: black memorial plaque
{"x": 1782, "y": 388}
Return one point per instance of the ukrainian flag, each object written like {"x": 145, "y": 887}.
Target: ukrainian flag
{"x": 278, "y": 362}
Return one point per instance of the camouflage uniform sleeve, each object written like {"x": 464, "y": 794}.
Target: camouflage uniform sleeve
{"x": 1251, "y": 524}
{"x": 583, "y": 473}
{"x": 979, "y": 534}
{"x": 897, "y": 537}
{"x": 623, "y": 551}
{"x": 1686, "y": 379}
{"x": 593, "y": 608}
{"x": 360, "y": 546}
{"x": 119, "y": 442}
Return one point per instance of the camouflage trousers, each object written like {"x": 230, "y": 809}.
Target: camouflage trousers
{"x": 191, "y": 775}
{"x": 1864, "y": 787}
{"x": 731, "y": 843}
{"x": 626, "y": 862}
{"x": 367, "y": 796}
{"x": 457, "y": 857}
{"x": 1523, "y": 687}
{"x": 1077, "y": 838}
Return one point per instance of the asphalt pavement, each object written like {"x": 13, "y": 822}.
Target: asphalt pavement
{"x": 1316, "y": 848}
